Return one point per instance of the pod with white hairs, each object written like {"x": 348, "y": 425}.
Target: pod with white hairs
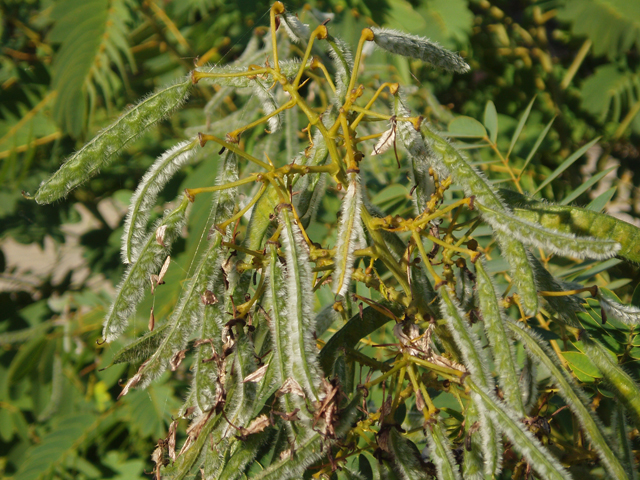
{"x": 576, "y": 400}
{"x": 501, "y": 345}
{"x": 440, "y": 451}
{"x": 538, "y": 456}
{"x": 414, "y": 46}
{"x": 476, "y": 362}
{"x": 152, "y": 255}
{"x": 144, "y": 198}
{"x": 109, "y": 142}
{"x": 350, "y": 236}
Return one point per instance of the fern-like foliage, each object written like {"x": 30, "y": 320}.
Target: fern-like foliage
{"x": 276, "y": 393}
{"x": 92, "y": 38}
{"x": 612, "y": 25}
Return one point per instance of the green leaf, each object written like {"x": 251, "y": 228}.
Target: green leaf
{"x": 566, "y": 164}
{"x": 491, "y": 120}
{"x": 466, "y": 127}
{"x": 585, "y": 186}
{"x": 579, "y": 361}
{"x": 598, "y": 204}
{"x": 350, "y": 334}
{"x": 521, "y": 123}
{"x": 539, "y": 141}
{"x": 612, "y": 25}
{"x": 619, "y": 380}
{"x": 69, "y": 434}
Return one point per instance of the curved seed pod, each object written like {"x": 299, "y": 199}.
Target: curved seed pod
{"x": 104, "y": 147}
{"x": 522, "y": 440}
{"x": 574, "y": 397}
{"x": 342, "y": 57}
{"x": 297, "y": 31}
{"x": 627, "y": 314}
{"x": 475, "y": 184}
{"x": 407, "y": 45}
{"x": 152, "y": 255}
{"x": 422, "y": 157}
{"x": 472, "y": 463}
{"x": 146, "y": 194}
{"x": 206, "y": 386}
{"x": 440, "y": 451}
{"x": 579, "y": 221}
{"x": 475, "y": 361}
{"x": 304, "y": 360}
{"x": 522, "y": 274}
{"x": 277, "y": 302}
{"x": 621, "y": 439}
{"x": 189, "y": 310}
{"x": 501, "y": 345}
{"x": 618, "y": 379}
{"x": 406, "y": 457}
{"x": 565, "y": 244}
{"x": 350, "y": 237}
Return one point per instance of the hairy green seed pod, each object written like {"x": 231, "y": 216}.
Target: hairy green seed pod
{"x": 422, "y": 157}
{"x": 440, "y": 451}
{"x": 620, "y": 436}
{"x": 104, "y": 147}
{"x": 152, "y": 254}
{"x": 406, "y": 457}
{"x": 565, "y": 244}
{"x": 350, "y": 236}
{"x": 476, "y": 362}
{"x": 627, "y": 314}
{"x": 162, "y": 170}
{"x": 575, "y": 398}
{"x": 413, "y": 46}
{"x": 500, "y": 343}
{"x": 188, "y": 313}
{"x": 342, "y": 58}
{"x": 304, "y": 365}
{"x": 297, "y": 31}
{"x": 522, "y": 274}
{"x": 579, "y": 221}
{"x": 472, "y": 464}
{"x": 538, "y": 456}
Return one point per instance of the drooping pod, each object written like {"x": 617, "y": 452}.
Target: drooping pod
{"x": 152, "y": 255}
{"x": 350, "y": 236}
{"x": 146, "y": 194}
{"x": 109, "y": 142}
{"x": 414, "y": 46}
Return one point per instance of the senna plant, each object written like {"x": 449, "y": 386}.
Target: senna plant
{"x": 366, "y": 344}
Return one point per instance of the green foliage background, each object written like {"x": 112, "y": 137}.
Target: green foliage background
{"x": 68, "y": 67}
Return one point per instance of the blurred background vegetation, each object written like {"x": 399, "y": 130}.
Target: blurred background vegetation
{"x": 68, "y": 67}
